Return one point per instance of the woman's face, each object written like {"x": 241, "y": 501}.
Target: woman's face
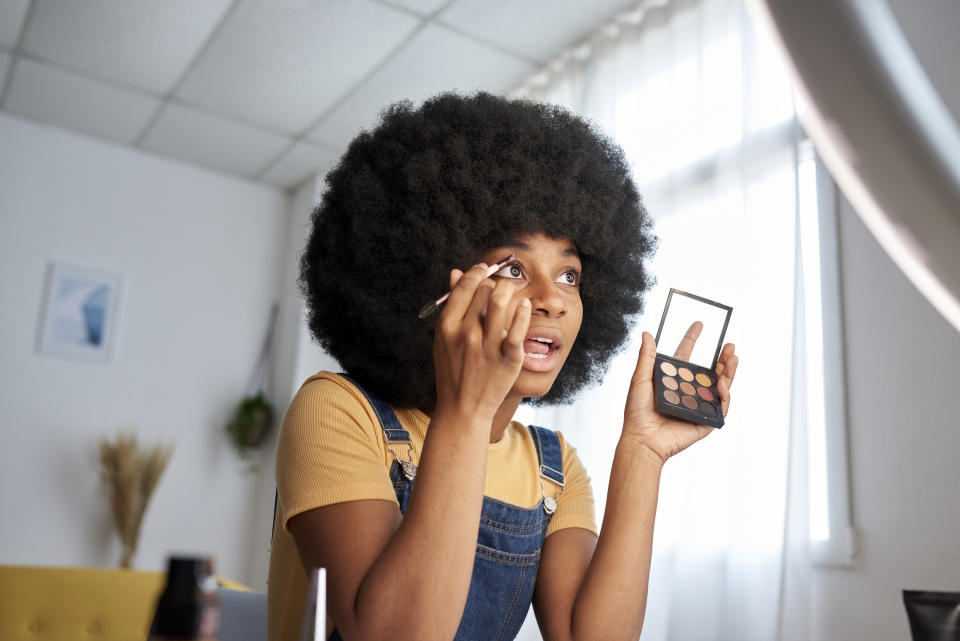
{"x": 547, "y": 271}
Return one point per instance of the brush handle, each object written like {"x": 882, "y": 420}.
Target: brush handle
{"x": 433, "y": 306}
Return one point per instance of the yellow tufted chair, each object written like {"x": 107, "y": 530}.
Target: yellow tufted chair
{"x": 88, "y": 604}
{"x": 60, "y": 604}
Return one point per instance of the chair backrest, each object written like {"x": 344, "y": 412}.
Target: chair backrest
{"x": 40, "y": 603}
{"x": 55, "y": 603}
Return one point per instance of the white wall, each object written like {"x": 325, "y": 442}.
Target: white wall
{"x": 904, "y": 422}
{"x": 202, "y": 256}
{"x": 296, "y": 358}
{"x": 307, "y": 358}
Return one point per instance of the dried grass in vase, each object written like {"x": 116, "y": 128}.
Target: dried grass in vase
{"x": 130, "y": 476}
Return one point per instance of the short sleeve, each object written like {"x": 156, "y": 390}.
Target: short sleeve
{"x": 575, "y": 507}
{"x": 330, "y": 450}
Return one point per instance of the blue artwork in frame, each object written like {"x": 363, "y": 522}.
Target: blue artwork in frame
{"x": 80, "y": 312}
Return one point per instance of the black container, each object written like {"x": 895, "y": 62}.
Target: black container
{"x": 189, "y": 607}
{"x": 934, "y": 616}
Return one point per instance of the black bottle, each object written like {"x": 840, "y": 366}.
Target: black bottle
{"x": 189, "y": 607}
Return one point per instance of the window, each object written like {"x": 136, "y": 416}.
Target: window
{"x": 705, "y": 113}
{"x": 819, "y": 310}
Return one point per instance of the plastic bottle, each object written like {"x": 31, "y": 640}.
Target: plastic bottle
{"x": 189, "y": 607}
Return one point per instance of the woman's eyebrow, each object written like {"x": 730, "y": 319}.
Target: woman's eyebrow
{"x": 517, "y": 244}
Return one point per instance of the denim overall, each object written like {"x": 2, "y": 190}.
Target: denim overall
{"x": 508, "y": 543}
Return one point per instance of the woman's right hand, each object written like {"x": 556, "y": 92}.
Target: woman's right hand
{"x": 478, "y": 343}
{"x": 371, "y": 551}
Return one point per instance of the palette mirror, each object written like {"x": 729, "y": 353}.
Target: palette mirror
{"x": 680, "y": 312}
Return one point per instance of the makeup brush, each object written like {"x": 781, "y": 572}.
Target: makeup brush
{"x": 434, "y": 305}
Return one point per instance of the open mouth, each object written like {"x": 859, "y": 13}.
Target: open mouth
{"x": 539, "y": 347}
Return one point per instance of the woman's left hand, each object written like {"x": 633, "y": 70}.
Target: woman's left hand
{"x": 662, "y": 435}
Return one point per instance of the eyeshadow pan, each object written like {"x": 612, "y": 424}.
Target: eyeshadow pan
{"x": 668, "y": 368}
{"x": 683, "y": 396}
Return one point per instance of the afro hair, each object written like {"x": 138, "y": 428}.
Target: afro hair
{"x": 435, "y": 187}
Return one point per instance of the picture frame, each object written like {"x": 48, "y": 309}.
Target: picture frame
{"x": 80, "y": 312}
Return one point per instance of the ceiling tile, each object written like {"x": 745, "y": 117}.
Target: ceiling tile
{"x": 212, "y": 142}
{"x": 143, "y": 43}
{"x": 423, "y": 7}
{"x": 61, "y": 98}
{"x": 301, "y": 162}
{"x": 282, "y": 63}
{"x": 12, "y": 13}
{"x": 539, "y": 29}
{"x": 435, "y": 60}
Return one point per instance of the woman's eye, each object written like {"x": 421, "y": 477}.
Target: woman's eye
{"x": 570, "y": 277}
{"x": 510, "y": 271}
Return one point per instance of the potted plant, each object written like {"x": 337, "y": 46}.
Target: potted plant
{"x": 253, "y": 417}
{"x": 250, "y": 423}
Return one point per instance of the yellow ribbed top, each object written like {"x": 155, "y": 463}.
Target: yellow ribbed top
{"x": 331, "y": 450}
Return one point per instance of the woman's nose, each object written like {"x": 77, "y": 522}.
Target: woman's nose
{"x": 545, "y": 298}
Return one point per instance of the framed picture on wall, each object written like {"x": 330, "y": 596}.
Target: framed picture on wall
{"x": 80, "y": 309}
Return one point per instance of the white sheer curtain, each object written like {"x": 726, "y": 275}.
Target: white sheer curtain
{"x": 706, "y": 118}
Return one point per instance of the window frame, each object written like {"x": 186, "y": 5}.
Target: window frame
{"x": 839, "y": 548}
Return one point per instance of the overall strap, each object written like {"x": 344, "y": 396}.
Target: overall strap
{"x": 389, "y": 423}
{"x": 550, "y": 461}
{"x": 393, "y": 431}
{"x": 549, "y": 455}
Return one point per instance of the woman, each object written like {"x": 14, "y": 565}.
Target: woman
{"x": 436, "y": 515}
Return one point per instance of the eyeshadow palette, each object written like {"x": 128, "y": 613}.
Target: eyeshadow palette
{"x": 686, "y": 389}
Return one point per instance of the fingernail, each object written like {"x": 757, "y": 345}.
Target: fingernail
{"x": 483, "y": 265}
{"x": 525, "y": 302}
